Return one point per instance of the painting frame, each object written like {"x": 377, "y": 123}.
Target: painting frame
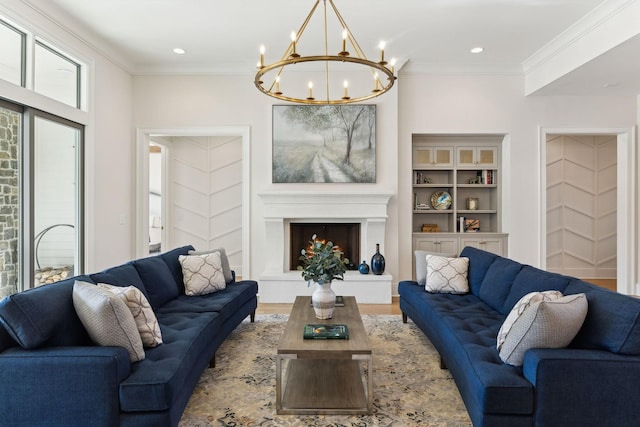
{"x": 324, "y": 143}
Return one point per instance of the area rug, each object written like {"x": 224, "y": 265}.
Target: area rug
{"x": 409, "y": 388}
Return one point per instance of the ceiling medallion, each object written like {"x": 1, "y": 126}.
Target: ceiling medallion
{"x": 333, "y": 67}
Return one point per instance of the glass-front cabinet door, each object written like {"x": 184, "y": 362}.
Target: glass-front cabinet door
{"x": 432, "y": 157}
{"x": 477, "y": 157}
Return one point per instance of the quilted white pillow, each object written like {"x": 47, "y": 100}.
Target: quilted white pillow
{"x": 447, "y": 275}
{"x": 107, "y": 319}
{"x": 520, "y": 307}
{"x": 143, "y": 314}
{"x": 544, "y": 324}
{"x": 202, "y": 273}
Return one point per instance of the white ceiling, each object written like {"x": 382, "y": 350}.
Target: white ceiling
{"x": 429, "y": 35}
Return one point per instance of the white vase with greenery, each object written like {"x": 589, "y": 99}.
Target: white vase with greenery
{"x": 322, "y": 263}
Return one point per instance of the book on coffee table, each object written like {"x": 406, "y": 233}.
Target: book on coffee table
{"x": 326, "y": 331}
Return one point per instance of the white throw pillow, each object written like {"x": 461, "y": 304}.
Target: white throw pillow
{"x": 202, "y": 273}
{"x": 447, "y": 275}
{"x": 421, "y": 264}
{"x": 520, "y": 307}
{"x": 226, "y": 268}
{"x": 544, "y": 324}
{"x": 143, "y": 314}
{"x": 107, "y": 319}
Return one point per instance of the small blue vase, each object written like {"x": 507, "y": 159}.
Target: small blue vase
{"x": 363, "y": 268}
{"x": 377, "y": 261}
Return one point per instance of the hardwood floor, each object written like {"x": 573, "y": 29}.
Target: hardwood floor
{"x": 394, "y": 307}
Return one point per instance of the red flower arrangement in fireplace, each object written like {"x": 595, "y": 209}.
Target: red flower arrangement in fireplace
{"x": 322, "y": 262}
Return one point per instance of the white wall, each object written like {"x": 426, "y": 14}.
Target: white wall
{"x": 496, "y": 104}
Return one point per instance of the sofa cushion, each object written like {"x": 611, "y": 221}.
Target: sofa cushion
{"x": 421, "y": 264}
{"x": 447, "y": 275}
{"x": 107, "y": 319}
{"x": 226, "y": 267}
{"x": 171, "y": 259}
{"x": 122, "y": 275}
{"x": 202, "y": 273}
{"x": 544, "y": 324}
{"x": 519, "y": 308}
{"x": 497, "y": 282}
{"x": 613, "y": 320}
{"x": 479, "y": 263}
{"x": 145, "y": 318}
{"x": 44, "y": 316}
{"x": 157, "y": 279}
{"x": 155, "y": 382}
{"x": 531, "y": 279}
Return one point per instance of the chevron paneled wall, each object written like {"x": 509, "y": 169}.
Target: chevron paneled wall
{"x": 581, "y": 205}
{"x": 206, "y": 194}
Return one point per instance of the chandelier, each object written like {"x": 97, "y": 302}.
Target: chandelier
{"x": 332, "y": 70}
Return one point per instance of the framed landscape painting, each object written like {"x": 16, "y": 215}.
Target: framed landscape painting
{"x": 324, "y": 143}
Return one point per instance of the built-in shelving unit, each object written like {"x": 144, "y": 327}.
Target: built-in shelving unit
{"x": 467, "y": 167}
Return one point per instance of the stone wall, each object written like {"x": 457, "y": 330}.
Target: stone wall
{"x": 9, "y": 221}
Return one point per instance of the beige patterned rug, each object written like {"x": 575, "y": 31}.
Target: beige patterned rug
{"x": 409, "y": 388}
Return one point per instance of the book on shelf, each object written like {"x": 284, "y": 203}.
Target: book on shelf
{"x": 326, "y": 331}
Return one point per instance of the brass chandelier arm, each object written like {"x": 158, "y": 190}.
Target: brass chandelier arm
{"x": 329, "y": 58}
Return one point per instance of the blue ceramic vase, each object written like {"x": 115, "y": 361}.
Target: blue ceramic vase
{"x": 377, "y": 261}
{"x": 363, "y": 268}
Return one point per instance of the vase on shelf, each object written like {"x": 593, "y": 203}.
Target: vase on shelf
{"x": 363, "y": 268}
{"x": 377, "y": 261}
{"x": 323, "y": 300}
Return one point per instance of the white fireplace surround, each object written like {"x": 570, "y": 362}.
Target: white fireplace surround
{"x": 278, "y": 284}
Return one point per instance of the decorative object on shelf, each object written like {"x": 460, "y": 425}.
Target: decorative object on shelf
{"x": 471, "y": 225}
{"x": 441, "y": 200}
{"x": 430, "y": 228}
{"x": 322, "y": 263}
{"x": 472, "y": 203}
{"x": 377, "y": 261}
{"x": 363, "y": 268}
{"x": 274, "y": 74}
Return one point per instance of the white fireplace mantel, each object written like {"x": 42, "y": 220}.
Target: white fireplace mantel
{"x": 283, "y": 207}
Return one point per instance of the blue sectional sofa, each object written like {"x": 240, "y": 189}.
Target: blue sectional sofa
{"x": 52, "y": 374}
{"x": 595, "y": 381}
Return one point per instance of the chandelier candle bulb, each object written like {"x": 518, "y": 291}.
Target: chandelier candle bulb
{"x": 310, "y": 91}
{"x": 293, "y": 43}
{"x": 261, "y": 56}
{"x": 382, "y": 61}
{"x": 344, "y": 44}
{"x": 346, "y": 90}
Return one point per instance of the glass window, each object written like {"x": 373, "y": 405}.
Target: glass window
{"x": 12, "y": 46}
{"x": 56, "y": 200}
{"x": 56, "y": 76}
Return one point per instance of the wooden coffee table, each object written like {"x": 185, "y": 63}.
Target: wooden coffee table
{"x": 324, "y": 376}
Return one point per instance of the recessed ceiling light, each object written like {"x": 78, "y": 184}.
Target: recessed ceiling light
{"x": 179, "y": 51}
{"x": 477, "y": 49}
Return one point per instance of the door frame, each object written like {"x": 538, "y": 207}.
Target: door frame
{"x": 143, "y": 137}
{"x": 627, "y": 229}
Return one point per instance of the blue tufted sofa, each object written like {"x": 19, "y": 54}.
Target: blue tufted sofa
{"x": 594, "y": 382}
{"x": 62, "y": 379}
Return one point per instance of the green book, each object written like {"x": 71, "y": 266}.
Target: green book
{"x": 322, "y": 331}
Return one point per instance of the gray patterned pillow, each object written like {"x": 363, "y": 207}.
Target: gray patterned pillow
{"x": 143, "y": 314}
{"x": 226, "y": 268}
{"x": 520, "y": 307}
{"x": 421, "y": 264}
{"x": 202, "y": 273}
{"x": 544, "y": 324}
{"x": 447, "y": 275}
{"x": 107, "y": 319}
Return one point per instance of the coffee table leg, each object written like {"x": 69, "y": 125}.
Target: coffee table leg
{"x": 369, "y": 360}
{"x": 279, "y": 390}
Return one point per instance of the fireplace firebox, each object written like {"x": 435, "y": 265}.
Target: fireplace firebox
{"x": 344, "y": 235}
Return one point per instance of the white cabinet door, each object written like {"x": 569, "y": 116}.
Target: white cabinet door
{"x": 443, "y": 244}
{"x": 477, "y": 157}
{"x": 496, "y": 245}
{"x": 425, "y": 156}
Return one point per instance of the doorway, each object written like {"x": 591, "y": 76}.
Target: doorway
{"x": 204, "y": 197}
{"x": 588, "y": 206}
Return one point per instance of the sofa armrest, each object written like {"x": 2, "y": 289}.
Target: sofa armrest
{"x": 583, "y": 386}
{"x": 63, "y": 385}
